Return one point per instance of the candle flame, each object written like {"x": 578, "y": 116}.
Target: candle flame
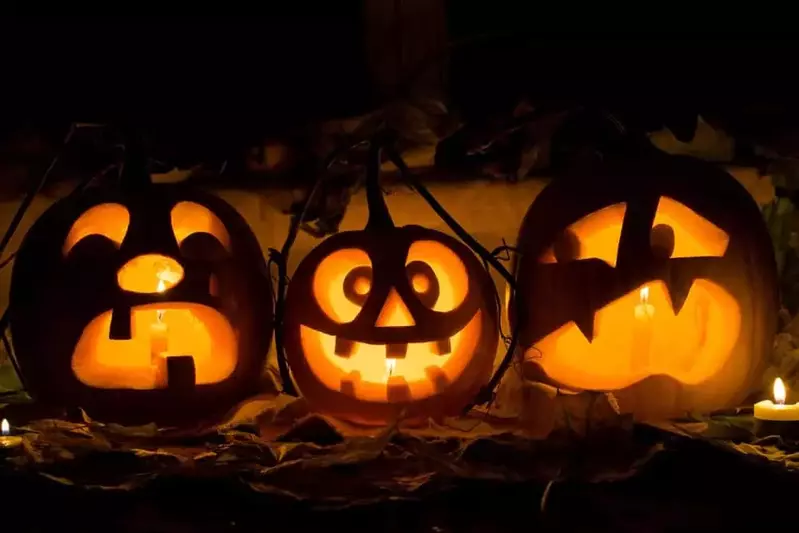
{"x": 161, "y": 285}
{"x": 391, "y": 365}
{"x": 5, "y": 428}
{"x": 779, "y": 392}
{"x": 644, "y": 295}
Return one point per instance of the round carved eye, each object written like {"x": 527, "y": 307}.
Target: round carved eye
{"x": 423, "y": 282}
{"x": 357, "y": 284}
{"x": 341, "y": 284}
{"x": 437, "y": 275}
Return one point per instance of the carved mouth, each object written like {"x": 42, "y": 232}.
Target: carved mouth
{"x": 628, "y": 346}
{"x": 198, "y": 334}
{"x": 389, "y": 372}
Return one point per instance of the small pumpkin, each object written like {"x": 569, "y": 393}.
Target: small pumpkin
{"x": 390, "y": 321}
{"x": 141, "y": 305}
{"x": 652, "y": 277}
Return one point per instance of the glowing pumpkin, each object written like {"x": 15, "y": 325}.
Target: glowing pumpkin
{"x": 140, "y": 307}
{"x": 390, "y": 321}
{"x": 655, "y": 280}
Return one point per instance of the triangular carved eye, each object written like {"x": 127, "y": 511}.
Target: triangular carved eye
{"x": 109, "y": 220}
{"x": 693, "y": 235}
{"x": 595, "y": 236}
{"x": 189, "y": 218}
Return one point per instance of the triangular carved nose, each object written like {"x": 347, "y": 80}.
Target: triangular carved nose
{"x": 394, "y": 313}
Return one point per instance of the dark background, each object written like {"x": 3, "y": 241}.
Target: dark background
{"x": 208, "y": 83}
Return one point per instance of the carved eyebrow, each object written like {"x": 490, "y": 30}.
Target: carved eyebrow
{"x": 694, "y": 235}
{"x": 598, "y": 235}
{"x": 189, "y": 218}
{"x": 109, "y": 220}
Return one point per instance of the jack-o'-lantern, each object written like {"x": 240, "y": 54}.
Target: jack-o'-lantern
{"x": 390, "y": 322}
{"x": 145, "y": 305}
{"x": 653, "y": 278}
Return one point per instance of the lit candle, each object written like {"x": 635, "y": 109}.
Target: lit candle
{"x": 777, "y": 417}
{"x": 391, "y": 364}
{"x": 158, "y": 331}
{"x": 642, "y": 332}
{"x": 8, "y": 441}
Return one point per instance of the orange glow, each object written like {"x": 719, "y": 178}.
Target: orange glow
{"x": 367, "y": 371}
{"x": 420, "y": 283}
{"x": 149, "y": 274}
{"x": 598, "y": 235}
{"x": 110, "y": 220}
{"x": 779, "y": 392}
{"x": 394, "y": 313}
{"x": 189, "y": 217}
{"x": 362, "y": 286}
{"x": 453, "y": 280}
{"x": 694, "y": 236}
{"x": 191, "y": 329}
{"x": 328, "y": 283}
{"x": 638, "y": 335}
{"x": 391, "y": 366}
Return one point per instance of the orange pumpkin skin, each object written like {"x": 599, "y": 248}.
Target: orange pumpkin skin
{"x": 82, "y": 300}
{"x": 654, "y": 279}
{"x": 422, "y": 300}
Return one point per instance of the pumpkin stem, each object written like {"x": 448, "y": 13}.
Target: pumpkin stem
{"x": 379, "y": 217}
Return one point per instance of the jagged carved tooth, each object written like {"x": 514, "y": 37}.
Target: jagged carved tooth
{"x": 437, "y": 376}
{"x": 398, "y": 390}
{"x": 344, "y": 347}
{"x": 350, "y": 382}
{"x": 442, "y": 347}
{"x": 584, "y": 320}
{"x": 396, "y": 350}
{"x": 679, "y": 287}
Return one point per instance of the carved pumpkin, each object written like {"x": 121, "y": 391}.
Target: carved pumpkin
{"x": 389, "y": 321}
{"x": 653, "y": 278}
{"x": 141, "y": 306}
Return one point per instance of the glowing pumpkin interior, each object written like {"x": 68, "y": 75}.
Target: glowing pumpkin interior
{"x": 367, "y": 371}
{"x": 158, "y": 330}
{"x": 639, "y": 334}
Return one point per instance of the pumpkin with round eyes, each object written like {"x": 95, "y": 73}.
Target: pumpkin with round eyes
{"x": 390, "y": 321}
{"x": 145, "y": 305}
{"x": 656, "y": 281}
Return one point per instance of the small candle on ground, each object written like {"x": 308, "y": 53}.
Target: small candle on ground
{"x": 7, "y": 440}
{"x": 777, "y": 417}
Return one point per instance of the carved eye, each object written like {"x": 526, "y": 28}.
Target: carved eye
{"x": 109, "y": 220}
{"x": 423, "y": 282}
{"x": 189, "y": 218}
{"x": 678, "y": 231}
{"x": 342, "y": 282}
{"x": 437, "y": 275}
{"x": 595, "y": 236}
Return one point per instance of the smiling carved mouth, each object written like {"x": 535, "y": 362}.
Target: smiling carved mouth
{"x": 627, "y": 346}
{"x": 389, "y": 372}
{"x": 188, "y": 331}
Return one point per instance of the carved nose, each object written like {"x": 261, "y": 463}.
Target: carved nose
{"x": 394, "y": 313}
{"x": 149, "y": 274}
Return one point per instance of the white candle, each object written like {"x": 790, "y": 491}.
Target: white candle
{"x": 7, "y": 440}
{"x": 159, "y": 341}
{"x": 158, "y": 330}
{"x": 777, "y": 410}
{"x": 642, "y": 332}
